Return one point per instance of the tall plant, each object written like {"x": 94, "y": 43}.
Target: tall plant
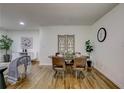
{"x": 5, "y": 43}
{"x": 89, "y": 47}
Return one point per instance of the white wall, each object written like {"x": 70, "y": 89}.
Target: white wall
{"x": 2, "y": 52}
{"x": 109, "y": 55}
{"x": 0, "y": 17}
{"x": 49, "y": 40}
{"x": 45, "y": 41}
{"x": 16, "y": 37}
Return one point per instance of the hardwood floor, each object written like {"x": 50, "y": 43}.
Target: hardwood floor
{"x": 42, "y": 78}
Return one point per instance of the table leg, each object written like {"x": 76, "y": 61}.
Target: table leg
{"x": 2, "y": 81}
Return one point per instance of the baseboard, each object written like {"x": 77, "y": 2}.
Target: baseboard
{"x": 103, "y": 77}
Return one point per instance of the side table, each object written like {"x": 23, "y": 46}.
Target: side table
{"x": 2, "y": 80}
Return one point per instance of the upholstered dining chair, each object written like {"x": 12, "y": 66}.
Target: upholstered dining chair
{"x": 79, "y": 65}
{"x": 58, "y": 64}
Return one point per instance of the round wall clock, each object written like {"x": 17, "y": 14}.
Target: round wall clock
{"x": 101, "y": 34}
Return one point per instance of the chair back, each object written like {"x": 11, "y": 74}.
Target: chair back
{"x": 58, "y": 62}
{"x": 24, "y": 60}
{"x": 23, "y": 63}
{"x": 79, "y": 62}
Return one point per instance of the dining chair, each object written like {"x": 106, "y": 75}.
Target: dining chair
{"x": 79, "y": 65}
{"x": 58, "y": 64}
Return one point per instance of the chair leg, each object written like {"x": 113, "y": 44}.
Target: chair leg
{"x": 76, "y": 74}
{"x": 55, "y": 74}
{"x": 63, "y": 74}
{"x": 80, "y": 74}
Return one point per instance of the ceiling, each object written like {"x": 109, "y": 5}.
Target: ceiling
{"x": 45, "y": 14}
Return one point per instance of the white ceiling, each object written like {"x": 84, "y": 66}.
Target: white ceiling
{"x": 36, "y": 15}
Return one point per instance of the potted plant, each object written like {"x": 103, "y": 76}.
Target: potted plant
{"x": 5, "y": 44}
{"x": 89, "y": 49}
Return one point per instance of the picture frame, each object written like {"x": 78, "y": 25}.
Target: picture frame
{"x": 26, "y": 42}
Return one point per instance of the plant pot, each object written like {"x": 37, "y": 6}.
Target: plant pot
{"x": 89, "y": 63}
{"x": 6, "y": 58}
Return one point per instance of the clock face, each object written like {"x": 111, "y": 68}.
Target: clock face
{"x": 101, "y": 35}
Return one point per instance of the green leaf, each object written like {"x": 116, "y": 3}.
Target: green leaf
{"x": 5, "y": 42}
{"x": 89, "y": 47}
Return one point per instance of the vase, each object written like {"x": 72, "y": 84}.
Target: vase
{"x": 6, "y": 58}
{"x": 89, "y": 63}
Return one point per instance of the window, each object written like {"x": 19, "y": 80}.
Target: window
{"x": 66, "y": 43}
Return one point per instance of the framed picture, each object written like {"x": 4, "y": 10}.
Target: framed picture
{"x": 101, "y": 34}
{"x": 26, "y": 42}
